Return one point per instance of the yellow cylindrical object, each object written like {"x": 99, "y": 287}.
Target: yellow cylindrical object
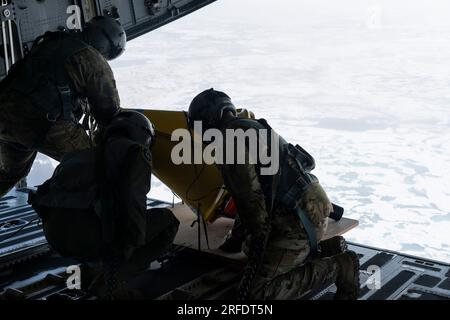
{"x": 199, "y": 185}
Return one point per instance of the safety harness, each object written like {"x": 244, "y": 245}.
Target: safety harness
{"x": 289, "y": 196}
{"x": 43, "y": 78}
{"x": 287, "y": 186}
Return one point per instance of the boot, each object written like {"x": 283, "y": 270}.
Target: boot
{"x": 124, "y": 293}
{"x": 332, "y": 247}
{"x": 105, "y": 280}
{"x": 90, "y": 275}
{"x": 111, "y": 283}
{"x": 347, "y": 281}
{"x": 102, "y": 289}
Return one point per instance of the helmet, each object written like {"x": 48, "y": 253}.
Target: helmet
{"x": 209, "y": 107}
{"x": 106, "y": 35}
{"x": 133, "y": 125}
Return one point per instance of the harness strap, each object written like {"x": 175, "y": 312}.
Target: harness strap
{"x": 310, "y": 230}
{"x": 65, "y": 94}
{"x": 290, "y": 198}
{"x": 50, "y": 87}
{"x": 62, "y": 83}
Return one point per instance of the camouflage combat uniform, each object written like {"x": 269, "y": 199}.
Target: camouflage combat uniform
{"x": 287, "y": 270}
{"x": 25, "y": 128}
{"x": 94, "y": 208}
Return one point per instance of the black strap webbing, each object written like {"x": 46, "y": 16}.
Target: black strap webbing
{"x": 310, "y": 230}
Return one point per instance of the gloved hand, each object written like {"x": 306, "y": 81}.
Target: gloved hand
{"x": 315, "y": 203}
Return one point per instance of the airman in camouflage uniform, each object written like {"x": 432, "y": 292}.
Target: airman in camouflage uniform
{"x": 42, "y": 98}
{"x": 282, "y": 263}
{"x": 94, "y": 207}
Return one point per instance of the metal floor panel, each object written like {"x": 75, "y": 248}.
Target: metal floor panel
{"x": 21, "y": 235}
{"x": 402, "y": 277}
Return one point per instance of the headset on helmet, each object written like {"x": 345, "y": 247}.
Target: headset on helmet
{"x": 133, "y": 125}
{"x": 106, "y": 35}
{"x": 209, "y": 107}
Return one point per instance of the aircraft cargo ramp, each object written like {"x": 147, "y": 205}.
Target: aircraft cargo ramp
{"x": 29, "y": 269}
